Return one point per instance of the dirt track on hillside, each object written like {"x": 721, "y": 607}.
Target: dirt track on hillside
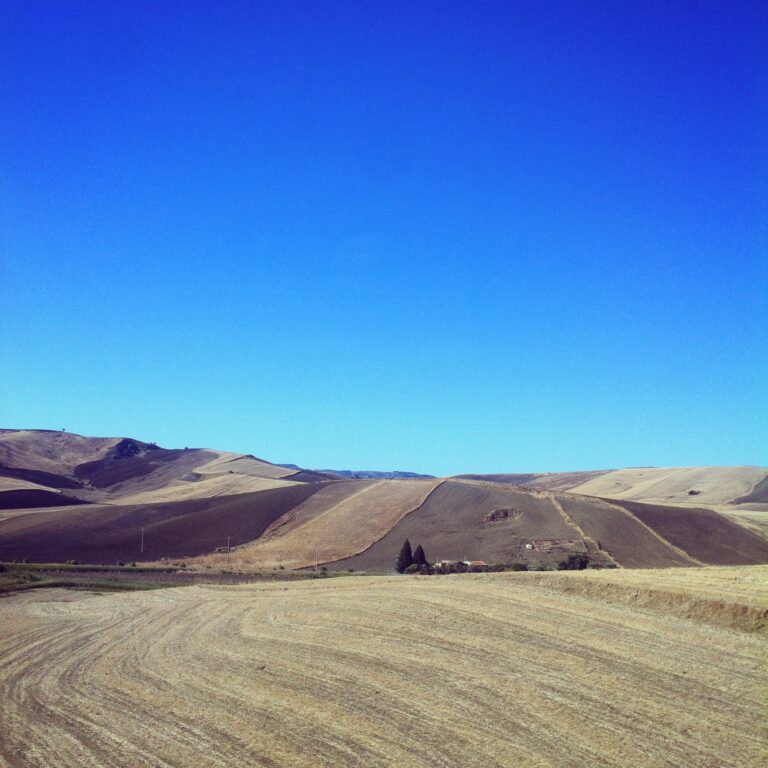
{"x": 408, "y": 671}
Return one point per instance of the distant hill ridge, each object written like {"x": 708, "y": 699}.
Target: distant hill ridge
{"x": 65, "y": 496}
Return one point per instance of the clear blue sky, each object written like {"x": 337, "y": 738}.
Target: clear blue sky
{"x": 444, "y": 237}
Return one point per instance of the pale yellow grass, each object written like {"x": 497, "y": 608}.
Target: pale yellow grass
{"x": 55, "y": 452}
{"x": 752, "y": 516}
{"x": 381, "y": 671}
{"x": 737, "y": 585}
{"x": 329, "y": 529}
{"x": 243, "y": 465}
{"x": 717, "y": 485}
{"x": 209, "y": 486}
{"x": 14, "y": 484}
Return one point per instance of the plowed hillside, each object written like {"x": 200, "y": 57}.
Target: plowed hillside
{"x": 703, "y": 534}
{"x": 488, "y": 670}
{"x": 105, "y": 534}
{"x": 451, "y": 524}
{"x": 340, "y": 520}
{"x": 629, "y": 541}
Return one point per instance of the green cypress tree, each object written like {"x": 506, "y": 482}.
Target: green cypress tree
{"x": 405, "y": 558}
{"x": 419, "y": 557}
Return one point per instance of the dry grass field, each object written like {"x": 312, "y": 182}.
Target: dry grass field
{"x": 671, "y": 485}
{"x": 751, "y": 516}
{"x": 486, "y": 670}
{"x": 207, "y": 487}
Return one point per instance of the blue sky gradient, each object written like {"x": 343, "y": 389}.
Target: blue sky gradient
{"x": 444, "y": 237}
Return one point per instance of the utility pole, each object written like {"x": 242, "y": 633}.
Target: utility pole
{"x": 142, "y": 540}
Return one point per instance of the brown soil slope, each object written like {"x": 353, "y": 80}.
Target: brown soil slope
{"x": 105, "y": 534}
{"x": 619, "y": 533}
{"x": 451, "y": 524}
{"x": 702, "y": 533}
{"x": 26, "y": 498}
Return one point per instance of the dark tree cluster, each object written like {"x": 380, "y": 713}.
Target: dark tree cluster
{"x": 574, "y": 563}
{"x": 412, "y": 561}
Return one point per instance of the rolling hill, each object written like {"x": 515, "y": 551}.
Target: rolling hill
{"x": 678, "y": 486}
{"x": 68, "y": 497}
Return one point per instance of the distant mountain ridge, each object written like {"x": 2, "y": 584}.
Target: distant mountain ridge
{"x": 65, "y": 496}
{"x": 358, "y": 474}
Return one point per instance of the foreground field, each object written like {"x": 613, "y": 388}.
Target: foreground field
{"x": 487, "y": 670}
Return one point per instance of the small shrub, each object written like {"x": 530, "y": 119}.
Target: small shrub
{"x": 412, "y": 568}
{"x": 497, "y": 568}
{"x": 120, "y": 563}
{"x": 575, "y": 562}
{"x": 69, "y": 562}
{"x": 2, "y": 568}
{"x": 518, "y": 567}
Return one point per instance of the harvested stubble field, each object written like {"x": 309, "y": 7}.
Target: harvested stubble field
{"x": 485, "y": 670}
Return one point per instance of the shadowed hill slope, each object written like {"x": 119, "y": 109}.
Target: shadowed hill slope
{"x": 27, "y": 498}
{"x": 104, "y": 534}
{"x": 706, "y": 535}
{"x": 621, "y": 534}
